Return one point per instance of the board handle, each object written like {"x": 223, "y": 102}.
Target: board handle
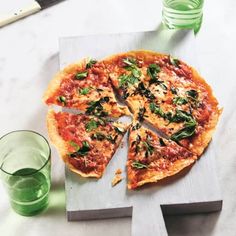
{"x": 148, "y": 220}
{"x": 16, "y": 15}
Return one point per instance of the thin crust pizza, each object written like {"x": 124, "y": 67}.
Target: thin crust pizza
{"x": 85, "y": 143}
{"x": 152, "y": 158}
{"x": 84, "y": 86}
{"x": 168, "y": 94}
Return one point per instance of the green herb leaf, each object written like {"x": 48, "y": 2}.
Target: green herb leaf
{"x": 131, "y": 62}
{"x": 91, "y": 125}
{"x": 81, "y": 75}
{"x": 138, "y": 165}
{"x": 136, "y": 126}
{"x": 153, "y": 70}
{"x": 149, "y": 148}
{"x": 96, "y": 108}
{"x": 141, "y": 113}
{"x": 175, "y": 62}
{"x": 119, "y": 130}
{"x": 180, "y": 116}
{"x": 162, "y": 143}
{"x": 144, "y": 91}
{"x": 127, "y": 80}
{"x": 91, "y": 63}
{"x": 111, "y": 139}
{"x": 192, "y": 93}
{"x": 136, "y": 73}
{"x": 98, "y": 136}
{"x": 180, "y": 101}
{"x": 73, "y": 144}
{"x": 156, "y": 110}
{"x": 81, "y": 151}
{"x": 84, "y": 91}
{"x": 173, "y": 90}
{"x": 187, "y": 131}
{"x": 62, "y": 99}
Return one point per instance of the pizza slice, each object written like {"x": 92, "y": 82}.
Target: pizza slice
{"x": 85, "y": 143}
{"x": 152, "y": 158}
{"x": 168, "y": 94}
{"x": 84, "y": 86}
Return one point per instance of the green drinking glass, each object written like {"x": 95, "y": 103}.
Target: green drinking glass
{"x": 25, "y": 165}
{"x": 182, "y": 14}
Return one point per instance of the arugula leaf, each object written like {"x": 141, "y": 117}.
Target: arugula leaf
{"x": 138, "y": 165}
{"x": 62, "y": 99}
{"x": 144, "y": 91}
{"x": 111, "y": 139}
{"x": 173, "y": 90}
{"x": 180, "y": 116}
{"x": 162, "y": 143}
{"x": 96, "y": 108}
{"x": 149, "y": 148}
{"x": 174, "y": 61}
{"x": 73, "y": 144}
{"x": 192, "y": 93}
{"x": 81, "y": 75}
{"x": 187, "y": 131}
{"x": 127, "y": 80}
{"x": 141, "y": 113}
{"x": 153, "y": 70}
{"x": 131, "y": 62}
{"x": 119, "y": 130}
{"x": 156, "y": 110}
{"x": 99, "y": 136}
{"x": 91, "y": 125}
{"x": 180, "y": 101}
{"x": 82, "y": 151}
{"x": 136, "y": 126}
{"x": 84, "y": 91}
{"x": 91, "y": 63}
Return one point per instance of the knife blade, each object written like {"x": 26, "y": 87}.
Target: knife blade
{"x": 20, "y": 13}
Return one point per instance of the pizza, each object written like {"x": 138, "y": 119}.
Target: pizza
{"x": 159, "y": 90}
{"x": 168, "y": 94}
{"x": 151, "y": 157}
{"x": 84, "y": 86}
{"x": 86, "y": 143}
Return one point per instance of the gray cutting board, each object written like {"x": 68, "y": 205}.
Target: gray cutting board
{"x": 194, "y": 191}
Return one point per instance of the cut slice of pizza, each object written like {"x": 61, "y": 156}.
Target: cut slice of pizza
{"x": 85, "y": 143}
{"x": 168, "y": 94}
{"x": 152, "y": 158}
{"x": 85, "y": 86}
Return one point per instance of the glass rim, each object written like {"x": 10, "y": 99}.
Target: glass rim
{"x": 29, "y": 131}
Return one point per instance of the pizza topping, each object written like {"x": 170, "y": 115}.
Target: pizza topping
{"x": 180, "y": 101}
{"x": 152, "y": 71}
{"x": 82, "y": 151}
{"x": 173, "y": 61}
{"x": 138, "y": 165}
{"x": 119, "y": 130}
{"x": 127, "y": 80}
{"x": 112, "y": 139}
{"x": 81, "y": 75}
{"x": 162, "y": 143}
{"x": 98, "y": 136}
{"x": 156, "y": 110}
{"x": 173, "y": 90}
{"x": 144, "y": 91}
{"x": 96, "y": 108}
{"x": 62, "y": 99}
{"x": 141, "y": 113}
{"x": 136, "y": 126}
{"x": 84, "y": 91}
{"x": 91, "y": 125}
{"x": 149, "y": 148}
{"x": 90, "y": 63}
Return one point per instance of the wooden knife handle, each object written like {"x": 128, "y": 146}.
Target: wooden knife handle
{"x": 9, "y": 18}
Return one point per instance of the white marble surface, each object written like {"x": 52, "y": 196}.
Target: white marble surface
{"x": 28, "y": 60}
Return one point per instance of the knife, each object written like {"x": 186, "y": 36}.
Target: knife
{"x": 34, "y": 7}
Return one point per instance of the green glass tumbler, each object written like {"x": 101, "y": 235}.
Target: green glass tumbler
{"x": 25, "y": 165}
{"x": 182, "y": 14}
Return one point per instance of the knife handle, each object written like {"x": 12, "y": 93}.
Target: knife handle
{"x": 7, "y": 19}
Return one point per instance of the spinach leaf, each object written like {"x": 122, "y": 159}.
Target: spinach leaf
{"x": 153, "y": 70}
{"x": 91, "y": 63}
{"x": 180, "y": 101}
{"x": 139, "y": 165}
{"x": 91, "y": 125}
{"x": 187, "y": 131}
{"x": 156, "y": 110}
{"x": 81, "y": 75}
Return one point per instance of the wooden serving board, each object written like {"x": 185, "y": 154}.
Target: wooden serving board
{"x": 195, "y": 190}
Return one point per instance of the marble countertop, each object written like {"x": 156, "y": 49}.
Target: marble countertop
{"x": 29, "y": 59}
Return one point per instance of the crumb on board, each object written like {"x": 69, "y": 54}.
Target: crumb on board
{"x": 116, "y": 180}
{"x": 118, "y": 171}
